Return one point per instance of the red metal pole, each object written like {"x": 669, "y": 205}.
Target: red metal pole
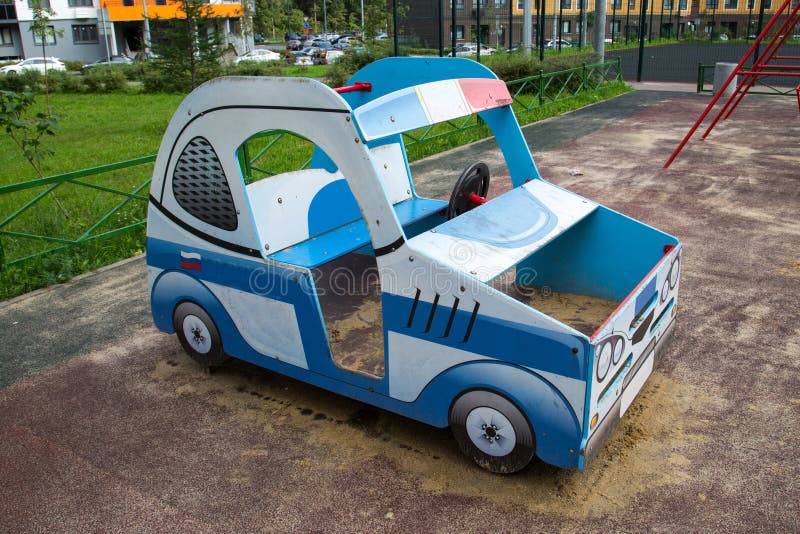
{"x": 760, "y": 64}
{"x": 720, "y": 92}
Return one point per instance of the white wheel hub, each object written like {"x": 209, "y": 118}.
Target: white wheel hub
{"x": 491, "y": 431}
{"x": 197, "y": 334}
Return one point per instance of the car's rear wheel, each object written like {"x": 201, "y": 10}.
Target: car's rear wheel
{"x": 492, "y": 431}
{"x": 198, "y": 335}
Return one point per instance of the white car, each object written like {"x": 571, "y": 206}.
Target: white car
{"x": 34, "y": 63}
{"x": 471, "y": 49}
{"x": 553, "y": 45}
{"x": 259, "y": 54}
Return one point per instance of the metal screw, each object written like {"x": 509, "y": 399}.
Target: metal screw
{"x": 347, "y": 118}
{"x": 280, "y": 200}
{"x": 411, "y": 258}
{"x": 266, "y": 247}
{"x": 391, "y": 118}
{"x": 356, "y": 140}
{"x": 385, "y": 165}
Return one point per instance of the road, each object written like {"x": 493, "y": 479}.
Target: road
{"x": 107, "y": 425}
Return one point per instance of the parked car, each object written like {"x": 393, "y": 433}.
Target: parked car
{"x": 304, "y": 60}
{"x": 471, "y": 49}
{"x": 381, "y": 36}
{"x": 259, "y": 54}
{"x": 322, "y": 43}
{"x": 107, "y": 62}
{"x": 34, "y": 63}
{"x": 292, "y": 35}
{"x": 553, "y": 44}
{"x": 324, "y": 57}
{"x": 293, "y": 44}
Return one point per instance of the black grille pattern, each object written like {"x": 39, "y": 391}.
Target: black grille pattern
{"x": 200, "y": 186}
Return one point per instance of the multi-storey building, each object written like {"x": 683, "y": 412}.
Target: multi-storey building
{"x": 85, "y": 30}
{"x": 501, "y": 21}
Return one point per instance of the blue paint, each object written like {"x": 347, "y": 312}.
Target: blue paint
{"x": 648, "y": 293}
{"x": 337, "y": 195}
{"x": 515, "y": 219}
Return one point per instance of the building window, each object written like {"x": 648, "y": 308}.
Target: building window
{"x": 50, "y": 37}
{"x": 459, "y": 4}
{"x": 615, "y": 26}
{"x": 6, "y": 38}
{"x": 234, "y": 26}
{"x": 566, "y": 26}
{"x": 84, "y": 33}
{"x": 521, "y": 5}
{"x": 127, "y": 3}
{"x": 459, "y": 31}
{"x": 731, "y": 4}
{"x": 566, "y": 4}
{"x": 161, "y": 2}
{"x": 631, "y": 4}
{"x": 499, "y": 3}
{"x": 767, "y": 4}
{"x": 682, "y": 5}
{"x": 616, "y": 4}
{"x": 712, "y": 4}
{"x": 43, "y": 4}
{"x": 751, "y": 4}
{"x": 79, "y": 3}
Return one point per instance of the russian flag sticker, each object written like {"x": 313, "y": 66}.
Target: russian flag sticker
{"x": 191, "y": 260}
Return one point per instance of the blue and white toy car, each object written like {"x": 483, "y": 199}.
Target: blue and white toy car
{"x": 527, "y": 324}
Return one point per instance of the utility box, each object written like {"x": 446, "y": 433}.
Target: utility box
{"x": 721, "y": 72}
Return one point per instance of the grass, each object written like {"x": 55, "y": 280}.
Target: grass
{"x": 98, "y": 129}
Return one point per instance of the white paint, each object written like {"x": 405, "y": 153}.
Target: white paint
{"x": 269, "y": 326}
{"x": 636, "y": 384}
{"x": 280, "y": 205}
{"x": 414, "y": 362}
{"x": 190, "y": 255}
{"x": 391, "y": 165}
{"x": 443, "y": 100}
{"x": 484, "y": 261}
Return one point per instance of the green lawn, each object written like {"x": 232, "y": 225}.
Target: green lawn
{"x": 95, "y": 129}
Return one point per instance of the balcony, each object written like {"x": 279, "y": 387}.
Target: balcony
{"x": 122, "y": 10}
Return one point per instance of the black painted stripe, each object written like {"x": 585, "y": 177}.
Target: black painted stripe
{"x": 413, "y": 309}
{"x": 452, "y": 317}
{"x": 202, "y": 235}
{"x": 433, "y": 312}
{"x": 471, "y": 322}
{"x": 380, "y": 251}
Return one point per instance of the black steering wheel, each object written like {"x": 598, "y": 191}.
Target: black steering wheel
{"x": 470, "y": 190}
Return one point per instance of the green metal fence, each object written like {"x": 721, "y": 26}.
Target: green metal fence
{"x": 124, "y": 184}
{"x": 762, "y": 86}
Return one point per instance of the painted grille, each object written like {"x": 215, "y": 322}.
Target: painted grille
{"x": 201, "y": 188}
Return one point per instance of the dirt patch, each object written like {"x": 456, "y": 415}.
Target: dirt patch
{"x": 650, "y": 448}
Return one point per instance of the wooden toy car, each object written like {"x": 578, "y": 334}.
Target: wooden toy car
{"x": 527, "y": 323}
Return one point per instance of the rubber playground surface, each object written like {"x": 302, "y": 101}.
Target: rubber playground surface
{"x": 105, "y": 424}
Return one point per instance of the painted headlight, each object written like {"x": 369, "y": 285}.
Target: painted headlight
{"x": 604, "y": 361}
{"x": 672, "y": 278}
{"x": 619, "y": 345}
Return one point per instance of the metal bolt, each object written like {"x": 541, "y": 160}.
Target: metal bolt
{"x": 356, "y": 140}
{"x": 266, "y": 247}
{"x": 280, "y": 200}
{"x": 391, "y": 118}
{"x": 408, "y": 191}
{"x": 411, "y": 258}
{"x": 385, "y": 165}
{"x": 347, "y": 118}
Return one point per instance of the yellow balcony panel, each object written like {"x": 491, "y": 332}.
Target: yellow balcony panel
{"x": 118, "y": 12}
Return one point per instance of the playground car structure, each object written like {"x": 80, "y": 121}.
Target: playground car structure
{"x": 527, "y": 323}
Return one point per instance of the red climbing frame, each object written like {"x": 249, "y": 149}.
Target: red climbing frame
{"x": 761, "y": 67}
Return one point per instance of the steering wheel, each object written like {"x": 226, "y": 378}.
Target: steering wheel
{"x": 470, "y": 190}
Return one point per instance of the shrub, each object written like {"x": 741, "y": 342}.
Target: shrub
{"x": 29, "y": 80}
{"x": 73, "y": 66}
{"x": 352, "y": 61}
{"x": 63, "y": 82}
{"x": 104, "y": 79}
{"x": 255, "y": 68}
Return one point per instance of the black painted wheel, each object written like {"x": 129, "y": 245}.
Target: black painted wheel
{"x": 198, "y": 335}
{"x": 492, "y": 431}
{"x": 474, "y": 179}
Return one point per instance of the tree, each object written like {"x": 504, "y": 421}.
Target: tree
{"x": 189, "y": 46}
{"x": 40, "y": 27}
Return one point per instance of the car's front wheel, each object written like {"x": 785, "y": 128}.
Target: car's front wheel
{"x": 198, "y": 335}
{"x": 492, "y": 431}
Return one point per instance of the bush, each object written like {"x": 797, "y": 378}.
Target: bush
{"x": 104, "y": 79}
{"x": 351, "y": 62}
{"x": 255, "y": 68}
{"x": 29, "y": 80}
{"x": 63, "y": 82}
{"x": 73, "y": 66}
